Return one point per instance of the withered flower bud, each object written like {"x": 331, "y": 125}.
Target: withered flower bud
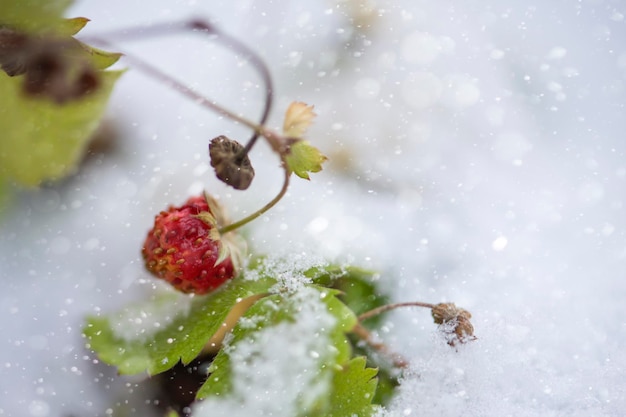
{"x": 455, "y": 322}
{"x": 231, "y": 165}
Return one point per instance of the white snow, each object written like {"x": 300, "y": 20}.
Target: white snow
{"x": 275, "y": 373}
{"x": 477, "y": 156}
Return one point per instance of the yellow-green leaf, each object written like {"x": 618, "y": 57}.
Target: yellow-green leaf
{"x": 34, "y": 16}
{"x": 304, "y": 158}
{"x": 42, "y": 140}
{"x": 101, "y": 59}
{"x": 70, "y": 27}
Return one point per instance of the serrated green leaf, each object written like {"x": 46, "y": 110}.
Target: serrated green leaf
{"x": 288, "y": 345}
{"x": 354, "y": 387}
{"x": 303, "y": 158}
{"x": 181, "y": 336}
{"x": 42, "y": 140}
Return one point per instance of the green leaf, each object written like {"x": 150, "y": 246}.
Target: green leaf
{"x": 303, "y": 158}
{"x": 70, "y": 27}
{"x": 45, "y": 133}
{"x": 354, "y": 387}
{"x": 287, "y": 346}
{"x": 133, "y": 342}
{"x": 42, "y": 140}
{"x": 101, "y": 59}
{"x": 359, "y": 287}
{"x": 33, "y": 15}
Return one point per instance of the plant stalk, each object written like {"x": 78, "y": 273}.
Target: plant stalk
{"x": 388, "y": 307}
{"x": 245, "y": 220}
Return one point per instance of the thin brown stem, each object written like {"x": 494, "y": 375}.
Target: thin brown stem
{"x": 245, "y": 220}
{"x": 388, "y": 307}
{"x": 365, "y": 335}
{"x": 202, "y": 27}
{"x": 173, "y": 83}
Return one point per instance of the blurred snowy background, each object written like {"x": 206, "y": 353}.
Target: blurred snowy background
{"x": 477, "y": 156}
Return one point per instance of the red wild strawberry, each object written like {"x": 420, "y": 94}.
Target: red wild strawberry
{"x": 184, "y": 248}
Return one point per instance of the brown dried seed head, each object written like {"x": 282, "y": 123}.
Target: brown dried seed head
{"x": 231, "y": 165}
{"x": 444, "y": 312}
{"x": 455, "y": 322}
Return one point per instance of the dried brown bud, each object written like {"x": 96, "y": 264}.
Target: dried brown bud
{"x": 455, "y": 322}
{"x": 231, "y": 165}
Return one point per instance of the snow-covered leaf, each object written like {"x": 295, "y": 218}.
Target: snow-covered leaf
{"x": 287, "y": 347}
{"x": 155, "y": 335}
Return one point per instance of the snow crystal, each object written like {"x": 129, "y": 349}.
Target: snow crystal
{"x": 499, "y": 243}
{"x": 288, "y": 270}
{"x": 276, "y": 372}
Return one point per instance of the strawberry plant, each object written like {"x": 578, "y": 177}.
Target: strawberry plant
{"x": 265, "y": 335}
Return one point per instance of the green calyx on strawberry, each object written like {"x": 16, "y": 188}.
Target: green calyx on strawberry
{"x": 185, "y": 247}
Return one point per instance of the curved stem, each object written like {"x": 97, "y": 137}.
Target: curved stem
{"x": 206, "y": 28}
{"x": 245, "y": 220}
{"x": 276, "y": 141}
{"x": 188, "y": 92}
{"x": 382, "y": 309}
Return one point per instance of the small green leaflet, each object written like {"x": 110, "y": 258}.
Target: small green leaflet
{"x": 303, "y": 158}
{"x": 354, "y": 387}
{"x": 182, "y": 336}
